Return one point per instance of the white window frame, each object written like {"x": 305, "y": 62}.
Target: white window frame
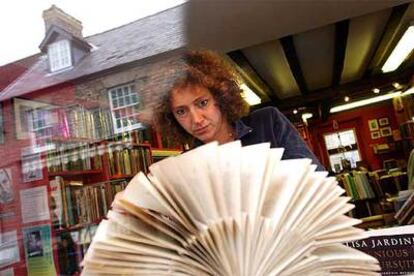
{"x": 353, "y": 147}
{"x": 59, "y": 54}
{"x": 41, "y": 119}
{"x": 122, "y": 99}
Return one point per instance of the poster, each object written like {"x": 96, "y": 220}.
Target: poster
{"x": 38, "y": 250}
{"x": 31, "y": 166}
{"x": 34, "y": 204}
{"x": 9, "y": 249}
{"x": 6, "y": 186}
{"x": 392, "y": 247}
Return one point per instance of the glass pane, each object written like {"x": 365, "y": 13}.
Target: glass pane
{"x": 332, "y": 141}
{"x": 347, "y": 137}
{"x": 335, "y": 160}
{"x": 352, "y": 156}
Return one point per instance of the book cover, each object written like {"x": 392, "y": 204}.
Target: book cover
{"x": 392, "y": 247}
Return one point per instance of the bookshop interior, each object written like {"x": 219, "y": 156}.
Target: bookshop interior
{"x": 70, "y": 137}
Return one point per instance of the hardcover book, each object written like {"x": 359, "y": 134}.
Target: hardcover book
{"x": 229, "y": 210}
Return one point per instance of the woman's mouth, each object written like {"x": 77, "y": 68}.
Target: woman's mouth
{"x": 201, "y": 130}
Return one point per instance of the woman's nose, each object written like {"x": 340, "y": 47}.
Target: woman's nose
{"x": 196, "y": 116}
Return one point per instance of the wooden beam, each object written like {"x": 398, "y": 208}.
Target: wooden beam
{"x": 341, "y": 38}
{"x": 353, "y": 89}
{"x": 294, "y": 64}
{"x": 244, "y": 64}
{"x": 384, "y": 48}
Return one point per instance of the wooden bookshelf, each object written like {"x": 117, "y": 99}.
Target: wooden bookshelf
{"x": 121, "y": 176}
{"x": 377, "y": 221}
{"x": 74, "y": 173}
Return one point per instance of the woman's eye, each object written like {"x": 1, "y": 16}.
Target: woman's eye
{"x": 180, "y": 112}
{"x": 203, "y": 103}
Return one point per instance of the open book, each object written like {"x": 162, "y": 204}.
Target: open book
{"x": 229, "y": 210}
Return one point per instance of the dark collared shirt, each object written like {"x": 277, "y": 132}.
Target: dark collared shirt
{"x": 268, "y": 124}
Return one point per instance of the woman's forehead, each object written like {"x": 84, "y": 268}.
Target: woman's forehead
{"x": 188, "y": 94}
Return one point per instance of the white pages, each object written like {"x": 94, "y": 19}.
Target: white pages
{"x": 229, "y": 210}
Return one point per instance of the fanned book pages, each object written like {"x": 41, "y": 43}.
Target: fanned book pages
{"x": 229, "y": 210}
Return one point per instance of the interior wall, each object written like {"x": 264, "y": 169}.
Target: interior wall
{"x": 358, "y": 120}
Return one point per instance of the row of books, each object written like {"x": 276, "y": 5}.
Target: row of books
{"x": 79, "y": 122}
{"x": 74, "y": 156}
{"x": 357, "y": 185}
{"x": 76, "y": 122}
{"x": 76, "y": 204}
{"x": 128, "y": 159}
{"x": 362, "y": 185}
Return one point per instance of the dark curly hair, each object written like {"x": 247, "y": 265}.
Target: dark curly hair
{"x": 212, "y": 71}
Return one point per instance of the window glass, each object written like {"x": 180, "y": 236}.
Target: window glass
{"x": 341, "y": 146}
{"x": 125, "y": 103}
{"x": 59, "y": 55}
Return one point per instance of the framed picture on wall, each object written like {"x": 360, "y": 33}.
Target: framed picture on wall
{"x": 373, "y": 125}
{"x": 383, "y": 121}
{"x": 375, "y": 134}
{"x": 386, "y": 131}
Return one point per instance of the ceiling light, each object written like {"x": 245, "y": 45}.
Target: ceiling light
{"x": 346, "y": 99}
{"x": 306, "y": 116}
{"x": 295, "y": 111}
{"x": 364, "y": 102}
{"x": 376, "y": 90}
{"x": 396, "y": 85}
{"x": 249, "y": 96}
{"x": 400, "y": 52}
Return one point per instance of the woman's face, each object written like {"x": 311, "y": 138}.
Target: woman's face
{"x": 198, "y": 113}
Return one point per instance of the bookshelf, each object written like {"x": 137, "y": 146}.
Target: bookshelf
{"x": 84, "y": 177}
{"x": 370, "y": 193}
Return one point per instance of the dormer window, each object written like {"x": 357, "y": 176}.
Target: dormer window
{"x": 59, "y": 55}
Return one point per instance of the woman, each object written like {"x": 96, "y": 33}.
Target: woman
{"x": 205, "y": 105}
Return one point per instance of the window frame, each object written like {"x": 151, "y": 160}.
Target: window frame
{"x": 118, "y": 107}
{"x": 59, "y": 55}
{"x": 353, "y": 147}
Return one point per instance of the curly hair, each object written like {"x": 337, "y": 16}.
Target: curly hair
{"x": 210, "y": 70}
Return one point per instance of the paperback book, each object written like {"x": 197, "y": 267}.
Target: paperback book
{"x": 229, "y": 210}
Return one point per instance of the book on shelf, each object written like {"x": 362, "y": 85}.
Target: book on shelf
{"x": 357, "y": 185}
{"x": 128, "y": 159}
{"x": 74, "y": 156}
{"x": 393, "y": 247}
{"x": 79, "y": 204}
{"x": 229, "y": 210}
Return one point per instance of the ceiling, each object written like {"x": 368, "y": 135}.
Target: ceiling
{"x": 308, "y": 56}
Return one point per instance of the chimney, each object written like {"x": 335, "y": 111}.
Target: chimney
{"x": 57, "y": 17}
